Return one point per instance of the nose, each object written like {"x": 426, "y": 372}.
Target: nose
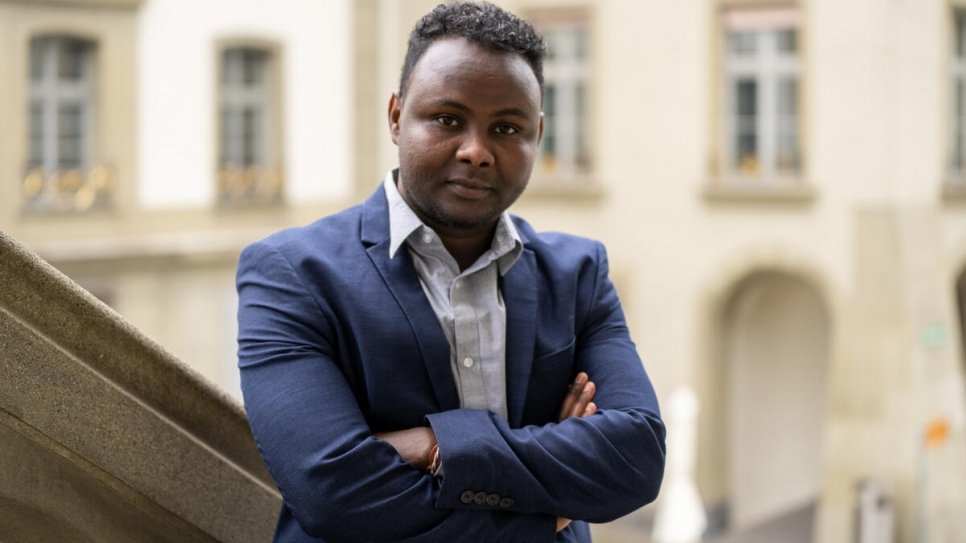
{"x": 474, "y": 150}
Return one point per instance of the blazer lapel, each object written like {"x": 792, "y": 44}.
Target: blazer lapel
{"x": 520, "y": 299}
{"x": 400, "y": 276}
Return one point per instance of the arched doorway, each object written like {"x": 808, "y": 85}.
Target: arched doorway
{"x": 961, "y": 306}
{"x": 775, "y": 358}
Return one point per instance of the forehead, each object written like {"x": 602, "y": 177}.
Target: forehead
{"x": 457, "y": 66}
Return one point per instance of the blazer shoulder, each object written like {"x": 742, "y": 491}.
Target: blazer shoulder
{"x": 558, "y": 245}
{"x": 322, "y": 236}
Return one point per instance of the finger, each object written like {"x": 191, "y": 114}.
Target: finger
{"x": 590, "y": 410}
{"x": 586, "y": 395}
{"x": 573, "y": 393}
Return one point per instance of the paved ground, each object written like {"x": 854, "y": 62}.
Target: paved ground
{"x": 792, "y": 527}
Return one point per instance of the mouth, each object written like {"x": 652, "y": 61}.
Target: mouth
{"x": 468, "y": 188}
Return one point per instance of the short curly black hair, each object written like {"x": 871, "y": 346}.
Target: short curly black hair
{"x": 479, "y": 22}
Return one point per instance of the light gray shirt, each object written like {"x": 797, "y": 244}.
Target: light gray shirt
{"x": 469, "y": 305}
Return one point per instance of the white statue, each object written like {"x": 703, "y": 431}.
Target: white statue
{"x": 680, "y": 513}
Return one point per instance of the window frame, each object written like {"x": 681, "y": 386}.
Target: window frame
{"x": 260, "y": 181}
{"x": 572, "y": 172}
{"x": 52, "y": 94}
{"x": 766, "y": 68}
{"x": 769, "y": 183}
{"x": 955, "y": 167}
{"x": 51, "y": 185}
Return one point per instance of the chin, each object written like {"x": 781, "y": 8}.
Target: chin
{"x": 467, "y": 223}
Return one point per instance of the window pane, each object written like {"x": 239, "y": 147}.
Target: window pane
{"x": 229, "y": 58}
{"x": 251, "y": 131}
{"x": 550, "y": 37}
{"x": 580, "y": 43}
{"x": 549, "y": 144}
{"x": 225, "y": 132}
{"x": 746, "y": 97}
{"x": 787, "y": 96}
{"x": 71, "y": 60}
{"x": 745, "y": 142}
{"x": 787, "y": 41}
{"x": 787, "y": 160}
{"x": 583, "y": 155}
{"x": 960, "y": 120}
{"x": 253, "y": 67}
{"x": 742, "y": 44}
{"x": 961, "y": 34}
{"x": 70, "y": 137}
{"x": 36, "y": 136}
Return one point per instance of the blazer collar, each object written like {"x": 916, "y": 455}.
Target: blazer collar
{"x": 519, "y": 290}
{"x": 519, "y": 287}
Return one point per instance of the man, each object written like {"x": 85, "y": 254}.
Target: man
{"x": 416, "y": 368}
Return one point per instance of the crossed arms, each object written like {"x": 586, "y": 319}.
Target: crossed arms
{"x": 419, "y": 447}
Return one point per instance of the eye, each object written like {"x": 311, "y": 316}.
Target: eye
{"x": 448, "y": 120}
{"x": 506, "y": 129}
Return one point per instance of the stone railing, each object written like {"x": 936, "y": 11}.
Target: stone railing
{"x": 104, "y": 436}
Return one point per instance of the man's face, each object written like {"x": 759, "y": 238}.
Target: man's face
{"x": 468, "y": 129}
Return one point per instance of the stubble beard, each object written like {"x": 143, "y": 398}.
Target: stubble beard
{"x": 436, "y": 213}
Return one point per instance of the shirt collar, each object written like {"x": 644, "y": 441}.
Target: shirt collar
{"x": 403, "y": 222}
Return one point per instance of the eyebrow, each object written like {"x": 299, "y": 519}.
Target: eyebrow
{"x": 505, "y": 112}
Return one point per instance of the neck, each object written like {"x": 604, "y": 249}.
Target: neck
{"x": 465, "y": 246}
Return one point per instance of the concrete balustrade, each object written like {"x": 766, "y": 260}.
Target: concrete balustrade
{"x": 104, "y": 436}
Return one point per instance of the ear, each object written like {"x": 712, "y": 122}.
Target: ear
{"x": 395, "y": 109}
{"x": 540, "y": 130}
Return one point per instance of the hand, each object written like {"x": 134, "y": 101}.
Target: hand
{"x": 413, "y": 445}
{"x": 578, "y": 403}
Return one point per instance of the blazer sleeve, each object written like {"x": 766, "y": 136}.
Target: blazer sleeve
{"x": 596, "y": 468}
{"x": 339, "y": 482}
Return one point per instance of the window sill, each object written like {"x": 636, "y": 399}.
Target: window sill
{"x": 582, "y": 187}
{"x": 792, "y": 192}
{"x": 131, "y": 4}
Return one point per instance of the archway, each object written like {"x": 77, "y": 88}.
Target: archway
{"x": 775, "y": 358}
{"x": 961, "y": 306}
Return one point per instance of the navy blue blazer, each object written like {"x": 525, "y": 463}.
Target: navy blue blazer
{"x": 336, "y": 341}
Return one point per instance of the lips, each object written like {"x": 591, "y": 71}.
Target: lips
{"x": 468, "y": 188}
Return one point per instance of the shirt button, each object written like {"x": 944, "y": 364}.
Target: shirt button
{"x": 467, "y": 496}
{"x": 468, "y": 362}
{"x": 427, "y": 238}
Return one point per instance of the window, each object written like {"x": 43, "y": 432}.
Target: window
{"x": 564, "y": 151}
{"x": 61, "y": 171}
{"x": 958, "y": 152}
{"x": 761, "y": 106}
{"x": 248, "y": 171}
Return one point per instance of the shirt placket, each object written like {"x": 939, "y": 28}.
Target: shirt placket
{"x": 467, "y": 343}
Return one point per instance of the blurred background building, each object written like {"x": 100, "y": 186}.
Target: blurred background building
{"x": 781, "y": 186}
